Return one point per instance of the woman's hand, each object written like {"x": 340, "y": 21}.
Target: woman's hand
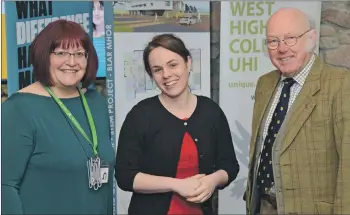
{"x": 205, "y": 190}
{"x": 187, "y": 187}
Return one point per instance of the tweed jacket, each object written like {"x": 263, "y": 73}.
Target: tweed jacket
{"x": 311, "y": 153}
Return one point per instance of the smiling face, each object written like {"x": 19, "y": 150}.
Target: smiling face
{"x": 169, "y": 71}
{"x": 98, "y": 13}
{"x": 68, "y": 66}
{"x": 287, "y": 24}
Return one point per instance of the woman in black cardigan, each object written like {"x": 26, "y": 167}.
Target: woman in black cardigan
{"x": 151, "y": 143}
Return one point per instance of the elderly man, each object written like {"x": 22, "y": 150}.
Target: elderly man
{"x": 300, "y": 145}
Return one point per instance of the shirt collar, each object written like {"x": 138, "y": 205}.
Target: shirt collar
{"x": 301, "y": 76}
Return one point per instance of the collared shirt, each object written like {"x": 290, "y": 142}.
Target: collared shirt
{"x": 294, "y": 92}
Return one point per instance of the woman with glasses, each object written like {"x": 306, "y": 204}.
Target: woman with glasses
{"x": 55, "y": 135}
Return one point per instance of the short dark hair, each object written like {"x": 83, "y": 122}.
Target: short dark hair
{"x": 66, "y": 34}
{"x": 167, "y": 41}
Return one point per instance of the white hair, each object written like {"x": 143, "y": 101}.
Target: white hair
{"x": 311, "y": 21}
{"x": 311, "y": 45}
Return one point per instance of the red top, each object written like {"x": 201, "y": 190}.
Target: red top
{"x": 187, "y": 167}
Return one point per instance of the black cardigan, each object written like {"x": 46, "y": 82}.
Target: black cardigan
{"x": 150, "y": 142}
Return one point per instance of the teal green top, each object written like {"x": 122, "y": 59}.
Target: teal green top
{"x": 44, "y": 157}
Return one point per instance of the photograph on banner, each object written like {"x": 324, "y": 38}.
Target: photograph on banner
{"x": 24, "y": 20}
{"x": 243, "y": 60}
{"x": 161, "y": 16}
{"x": 98, "y": 25}
{"x": 133, "y": 84}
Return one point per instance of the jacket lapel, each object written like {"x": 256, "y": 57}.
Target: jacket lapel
{"x": 303, "y": 105}
{"x": 264, "y": 95}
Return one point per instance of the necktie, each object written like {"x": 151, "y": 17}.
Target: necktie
{"x": 265, "y": 172}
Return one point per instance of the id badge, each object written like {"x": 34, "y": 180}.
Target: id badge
{"x": 104, "y": 171}
{"x": 93, "y": 167}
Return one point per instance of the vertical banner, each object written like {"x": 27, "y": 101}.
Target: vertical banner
{"x": 242, "y": 62}
{"x": 135, "y": 24}
{"x": 106, "y": 69}
{"x": 24, "y": 20}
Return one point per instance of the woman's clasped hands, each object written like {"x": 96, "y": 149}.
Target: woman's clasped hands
{"x": 196, "y": 189}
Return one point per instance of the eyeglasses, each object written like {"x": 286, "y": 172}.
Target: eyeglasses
{"x": 64, "y": 56}
{"x": 273, "y": 43}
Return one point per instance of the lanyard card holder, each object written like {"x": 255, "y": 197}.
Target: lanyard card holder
{"x": 104, "y": 172}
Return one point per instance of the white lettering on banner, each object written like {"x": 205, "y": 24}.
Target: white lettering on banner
{"x": 110, "y": 100}
{"x": 26, "y": 31}
{"x": 53, "y": 19}
{"x": 109, "y": 35}
{"x": 85, "y": 22}
{"x": 21, "y": 34}
{"x": 109, "y": 80}
{"x": 41, "y": 25}
{"x": 109, "y": 48}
